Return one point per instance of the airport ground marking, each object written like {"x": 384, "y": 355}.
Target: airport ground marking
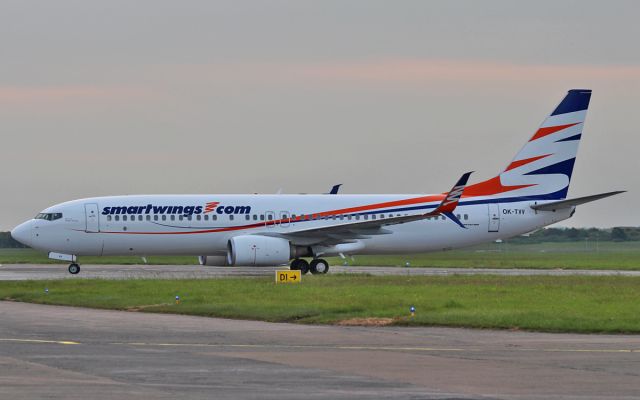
{"x": 380, "y": 348}
{"x": 333, "y": 347}
{"x": 65, "y": 342}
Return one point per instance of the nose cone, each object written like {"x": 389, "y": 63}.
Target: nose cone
{"x": 22, "y": 233}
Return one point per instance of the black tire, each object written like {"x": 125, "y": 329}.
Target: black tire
{"x": 303, "y": 266}
{"x": 319, "y": 266}
{"x": 295, "y": 265}
{"x": 74, "y": 269}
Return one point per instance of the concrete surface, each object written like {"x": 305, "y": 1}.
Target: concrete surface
{"x": 59, "y": 271}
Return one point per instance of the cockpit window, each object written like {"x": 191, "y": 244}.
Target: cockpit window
{"x": 49, "y": 216}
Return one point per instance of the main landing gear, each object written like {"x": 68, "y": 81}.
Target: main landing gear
{"x": 317, "y": 266}
{"x": 74, "y": 268}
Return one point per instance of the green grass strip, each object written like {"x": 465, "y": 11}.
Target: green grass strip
{"x": 541, "y": 303}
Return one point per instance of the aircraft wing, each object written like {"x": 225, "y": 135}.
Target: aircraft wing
{"x": 557, "y": 205}
{"x": 350, "y": 231}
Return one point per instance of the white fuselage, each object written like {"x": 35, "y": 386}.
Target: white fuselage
{"x": 203, "y": 224}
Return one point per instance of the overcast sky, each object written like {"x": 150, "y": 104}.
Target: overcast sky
{"x": 127, "y": 97}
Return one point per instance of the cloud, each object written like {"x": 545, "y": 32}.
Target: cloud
{"x": 33, "y": 95}
{"x": 424, "y": 71}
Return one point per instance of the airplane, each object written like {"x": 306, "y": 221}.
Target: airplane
{"x": 270, "y": 230}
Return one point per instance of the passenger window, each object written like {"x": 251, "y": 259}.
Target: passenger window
{"x": 349, "y": 217}
{"x": 214, "y": 217}
{"x": 247, "y": 217}
{"x": 358, "y": 217}
{"x": 206, "y": 217}
{"x": 173, "y": 217}
{"x": 261, "y": 217}
{"x": 366, "y": 216}
{"x": 381, "y": 216}
{"x": 466, "y": 217}
{"x": 180, "y": 217}
{"x": 148, "y": 217}
{"x": 230, "y": 217}
{"x": 124, "y": 217}
{"x": 117, "y": 218}
{"x": 373, "y": 216}
{"x": 164, "y": 217}
{"x": 155, "y": 217}
{"x": 198, "y": 217}
{"x": 139, "y": 217}
{"x": 341, "y": 217}
{"x": 108, "y": 217}
{"x": 269, "y": 217}
{"x": 255, "y": 217}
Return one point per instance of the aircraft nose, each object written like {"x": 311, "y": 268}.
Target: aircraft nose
{"x": 22, "y": 233}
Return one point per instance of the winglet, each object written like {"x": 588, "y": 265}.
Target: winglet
{"x": 335, "y": 188}
{"x": 450, "y": 201}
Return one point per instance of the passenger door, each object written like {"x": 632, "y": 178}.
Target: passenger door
{"x": 494, "y": 217}
{"x": 91, "y": 217}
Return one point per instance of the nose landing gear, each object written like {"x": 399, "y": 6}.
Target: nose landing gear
{"x": 74, "y": 268}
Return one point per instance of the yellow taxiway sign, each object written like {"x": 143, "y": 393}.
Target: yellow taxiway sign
{"x": 288, "y": 276}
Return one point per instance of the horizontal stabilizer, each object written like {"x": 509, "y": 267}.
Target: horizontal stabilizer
{"x": 557, "y": 205}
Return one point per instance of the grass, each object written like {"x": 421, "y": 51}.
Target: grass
{"x": 30, "y": 256}
{"x": 564, "y": 255}
{"x": 541, "y": 303}
{"x": 567, "y": 255}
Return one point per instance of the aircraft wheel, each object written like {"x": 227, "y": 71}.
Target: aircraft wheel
{"x": 74, "y": 268}
{"x": 295, "y": 265}
{"x": 303, "y": 266}
{"x": 319, "y": 266}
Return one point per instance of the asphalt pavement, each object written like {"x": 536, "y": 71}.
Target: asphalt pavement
{"x": 74, "y": 353}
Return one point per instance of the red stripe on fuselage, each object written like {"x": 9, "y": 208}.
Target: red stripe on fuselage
{"x": 415, "y": 200}
{"x": 490, "y": 187}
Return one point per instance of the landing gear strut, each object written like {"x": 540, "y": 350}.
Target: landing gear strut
{"x": 74, "y": 268}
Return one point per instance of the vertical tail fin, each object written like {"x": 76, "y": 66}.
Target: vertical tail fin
{"x": 542, "y": 169}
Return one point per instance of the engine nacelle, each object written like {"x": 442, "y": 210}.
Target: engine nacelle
{"x": 213, "y": 261}
{"x": 256, "y": 250}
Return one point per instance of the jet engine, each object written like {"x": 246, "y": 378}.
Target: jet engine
{"x": 256, "y": 250}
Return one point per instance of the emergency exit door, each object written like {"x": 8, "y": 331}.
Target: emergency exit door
{"x": 91, "y": 216}
{"x": 494, "y": 217}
